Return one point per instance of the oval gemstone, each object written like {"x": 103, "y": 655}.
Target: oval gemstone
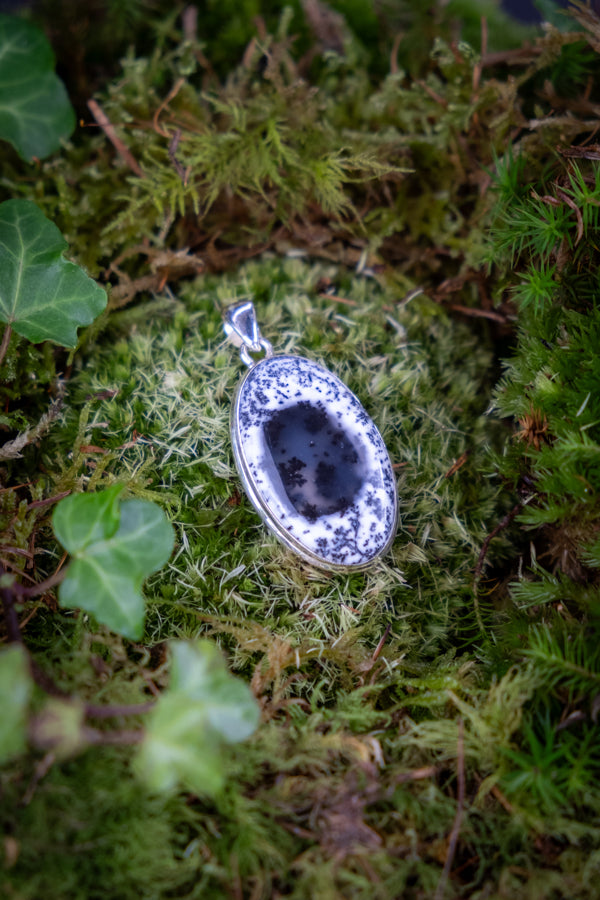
{"x": 313, "y": 463}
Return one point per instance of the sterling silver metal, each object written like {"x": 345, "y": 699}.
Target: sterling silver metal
{"x": 242, "y": 329}
{"x": 311, "y": 461}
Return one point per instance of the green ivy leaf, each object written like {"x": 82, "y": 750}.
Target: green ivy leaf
{"x": 84, "y": 519}
{"x": 35, "y": 112}
{"x": 110, "y": 563}
{"x": 200, "y": 675}
{"x": 179, "y": 749}
{"x": 42, "y": 296}
{"x": 203, "y": 707}
{"x": 15, "y": 690}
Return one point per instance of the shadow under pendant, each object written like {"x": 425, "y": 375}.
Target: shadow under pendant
{"x": 310, "y": 458}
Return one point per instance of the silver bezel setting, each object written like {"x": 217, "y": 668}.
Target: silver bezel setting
{"x": 271, "y": 384}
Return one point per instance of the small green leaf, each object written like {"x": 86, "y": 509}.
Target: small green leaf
{"x": 35, "y": 112}
{"x": 109, "y": 565}
{"x": 83, "y": 519}
{"x": 178, "y": 748}
{"x": 199, "y": 673}
{"x": 15, "y": 690}
{"x": 42, "y": 296}
{"x": 203, "y": 706}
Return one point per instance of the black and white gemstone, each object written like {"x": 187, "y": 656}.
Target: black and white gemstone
{"x": 313, "y": 462}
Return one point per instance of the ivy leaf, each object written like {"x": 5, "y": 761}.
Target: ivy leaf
{"x": 203, "y": 707}
{"x": 15, "y": 690}
{"x": 84, "y": 519}
{"x": 110, "y": 563}
{"x": 35, "y": 112}
{"x": 200, "y": 675}
{"x": 178, "y": 748}
{"x": 42, "y": 296}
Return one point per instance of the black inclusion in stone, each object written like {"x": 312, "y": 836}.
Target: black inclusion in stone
{"x": 317, "y": 462}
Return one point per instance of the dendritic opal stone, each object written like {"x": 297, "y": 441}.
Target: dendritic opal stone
{"x": 313, "y": 463}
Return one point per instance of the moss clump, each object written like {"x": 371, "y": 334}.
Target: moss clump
{"x": 88, "y": 830}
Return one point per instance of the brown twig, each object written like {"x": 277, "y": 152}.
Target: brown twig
{"x": 478, "y": 313}
{"x": 15, "y": 487}
{"x": 431, "y": 93}
{"x": 460, "y": 803}
{"x": 183, "y": 173}
{"x": 516, "y": 57}
{"x": 502, "y": 799}
{"x": 162, "y": 106}
{"x": 562, "y": 195}
{"x": 5, "y": 342}
{"x": 394, "y": 53}
{"x": 17, "y": 552}
{"x": 457, "y": 464}
{"x": 379, "y": 646}
{"x": 36, "y": 589}
{"x": 110, "y": 132}
{"x": 123, "y": 293}
{"x": 45, "y": 682}
{"x": 38, "y": 504}
{"x": 12, "y": 568}
{"x": 504, "y": 523}
{"x": 34, "y": 611}
{"x": 583, "y": 151}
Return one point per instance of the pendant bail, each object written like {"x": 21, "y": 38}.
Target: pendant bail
{"x": 242, "y": 329}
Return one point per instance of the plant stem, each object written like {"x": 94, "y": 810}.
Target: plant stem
{"x": 36, "y": 589}
{"x": 110, "y": 132}
{"x": 112, "y": 738}
{"x": 13, "y": 630}
{"x": 108, "y": 712}
{"x": 42, "y": 680}
{"x": 495, "y": 531}
{"x": 460, "y": 802}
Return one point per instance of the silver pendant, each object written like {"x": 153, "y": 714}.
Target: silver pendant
{"x": 310, "y": 459}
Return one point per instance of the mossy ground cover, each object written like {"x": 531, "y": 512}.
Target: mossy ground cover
{"x": 427, "y": 230}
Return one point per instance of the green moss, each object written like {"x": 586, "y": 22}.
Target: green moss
{"x": 472, "y": 647}
{"x": 87, "y": 829}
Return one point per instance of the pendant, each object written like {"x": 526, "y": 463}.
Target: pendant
{"x": 311, "y": 460}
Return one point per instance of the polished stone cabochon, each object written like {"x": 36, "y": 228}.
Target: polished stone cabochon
{"x": 313, "y": 462}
